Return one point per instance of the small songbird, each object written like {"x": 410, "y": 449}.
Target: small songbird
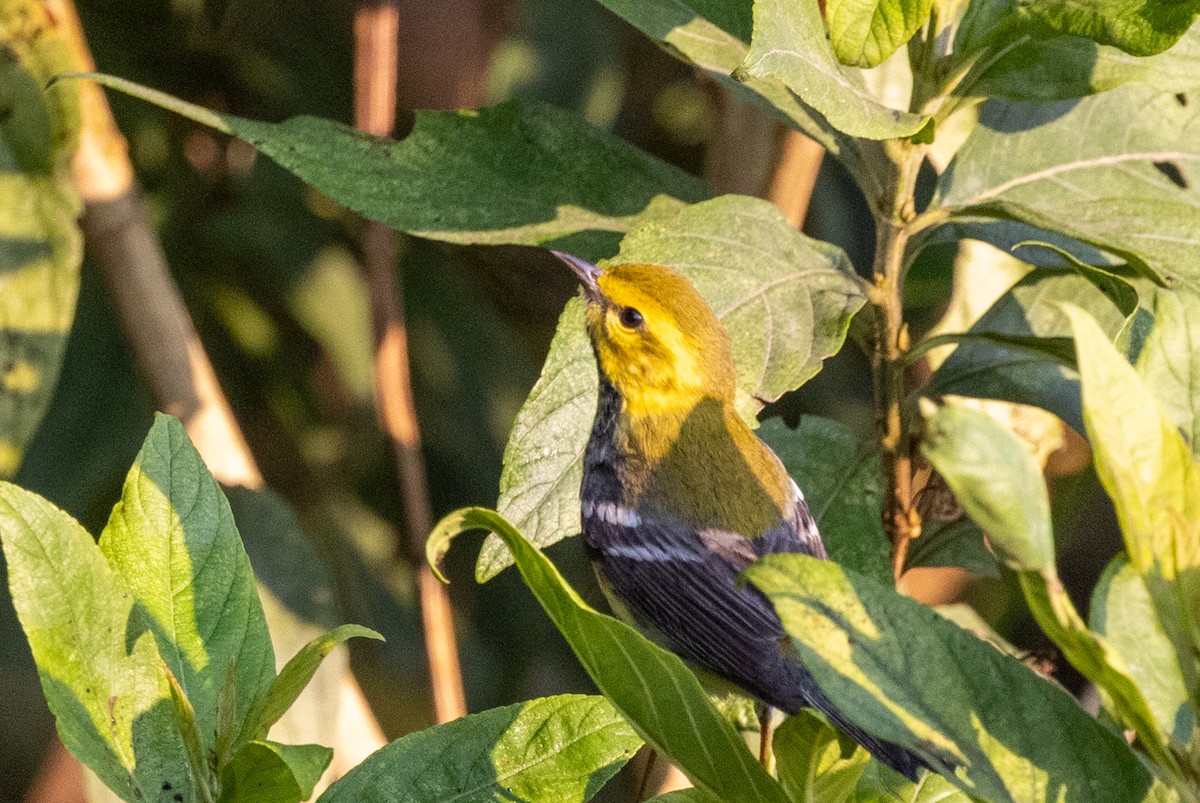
{"x": 679, "y": 495}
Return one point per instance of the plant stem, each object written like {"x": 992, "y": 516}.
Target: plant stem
{"x": 900, "y": 519}
{"x": 376, "y": 59}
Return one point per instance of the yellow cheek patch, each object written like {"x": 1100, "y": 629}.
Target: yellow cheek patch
{"x": 656, "y": 370}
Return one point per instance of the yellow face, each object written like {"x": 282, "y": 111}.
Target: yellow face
{"x": 657, "y": 341}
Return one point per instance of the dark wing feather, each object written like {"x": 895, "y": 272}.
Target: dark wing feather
{"x": 682, "y": 584}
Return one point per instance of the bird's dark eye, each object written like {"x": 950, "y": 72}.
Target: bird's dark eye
{"x": 630, "y": 318}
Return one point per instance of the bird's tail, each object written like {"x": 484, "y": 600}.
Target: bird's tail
{"x": 805, "y": 692}
{"x": 903, "y": 761}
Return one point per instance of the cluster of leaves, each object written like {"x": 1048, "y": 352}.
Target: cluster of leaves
{"x": 1080, "y": 147}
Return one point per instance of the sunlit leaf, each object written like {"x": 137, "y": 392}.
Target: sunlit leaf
{"x": 1123, "y": 613}
{"x": 1169, "y": 362}
{"x": 909, "y": 676}
{"x": 40, "y": 244}
{"x": 104, "y": 682}
{"x": 1153, "y": 479}
{"x": 790, "y": 44}
{"x": 649, "y": 686}
{"x": 815, "y": 761}
{"x": 554, "y": 748}
{"x": 1118, "y": 170}
{"x": 172, "y": 539}
{"x": 295, "y": 675}
{"x": 785, "y": 299}
{"x": 865, "y": 33}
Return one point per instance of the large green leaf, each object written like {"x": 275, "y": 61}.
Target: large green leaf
{"x": 172, "y": 539}
{"x": 714, "y": 37}
{"x": 1123, "y": 613}
{"x": 910, "y": 676}
{"x": 865, "y": 32}
{"x": 843, "y": 485}
{"x": 1064, "y": 67}
{"x": 553, "y": 749}
{"x": 1117, "y": 170}
{"x": 1154, "y": 482}
{"x": 40, "y": 245}
{"x": 1169, "y": 362}
{"x": 996, "y": 370}
{"x": 651, "y": 687}
{"x": 104, "y": 682}
{"x": 790, "y": 44}
{"x": 785, "y": 299}
{"x": 995, "y": 478}
{"x": 519, "y": 173}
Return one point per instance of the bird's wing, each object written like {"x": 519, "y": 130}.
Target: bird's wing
{"x": 681, "y": 584}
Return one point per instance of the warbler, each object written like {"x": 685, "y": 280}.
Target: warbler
{"x": 679, "y": 495}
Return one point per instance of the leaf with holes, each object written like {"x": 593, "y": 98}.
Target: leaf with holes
{"x": 1120, "y": 171}
{"x": 785, "y": 299}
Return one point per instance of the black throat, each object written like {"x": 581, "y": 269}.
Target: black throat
{"x": 602, "y": 459}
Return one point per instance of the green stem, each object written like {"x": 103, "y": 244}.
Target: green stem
{"x": 891, "y": 343}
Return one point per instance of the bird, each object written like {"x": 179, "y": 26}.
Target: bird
{"x": 679, "y": 495}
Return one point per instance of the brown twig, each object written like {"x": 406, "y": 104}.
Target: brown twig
{"x": 376, "y": 32}
{"x": 119, "y": 236}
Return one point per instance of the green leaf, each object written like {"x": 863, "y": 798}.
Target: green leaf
{"x": 1116, "y": 170}
{"x": 269, "y": 772}
{"x": 40, "y": 245}
{"x": 519, "y": 173}
{"x": 953, "y": 540}
{"x": 843, "y": 485}
{"x": 1097, "y": 661}
{"x": 1153, "y": 479}
{"x": 104, "y": 683}
{"x": 295, "y": 675}
{"x": 1123, "y": 613}
{"x": 995, "y": 370}
{"x": 994, "y": 478}
{"x": 560, "y": 748}
{"x": 1169, "y": 362}
{"x": 815, "y": 761}
{"x": 865, "y": 32}
{"x": 785, "y": 299}
{"x": 909, "y": 676}
{"x": 789, "y": 44}
{"x": 649, "y": 686}
{"x": 1065, "y": 67}
{"x": 714, "y": 37}
{"x": 1139, "y": 27}
{"x": 172, "y": 539}
{"x": 881, "y": 784}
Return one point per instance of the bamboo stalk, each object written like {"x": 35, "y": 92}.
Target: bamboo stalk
{"x": 155, "y": 321}
{"x": 376, "y": 35}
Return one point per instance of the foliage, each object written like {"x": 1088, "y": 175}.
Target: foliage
{"x": 1064, "y": 133}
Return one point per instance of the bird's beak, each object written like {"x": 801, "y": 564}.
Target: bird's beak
{"x": 588, "y": 274}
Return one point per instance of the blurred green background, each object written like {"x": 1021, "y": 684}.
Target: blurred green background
{"x": 269, "y": 271}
